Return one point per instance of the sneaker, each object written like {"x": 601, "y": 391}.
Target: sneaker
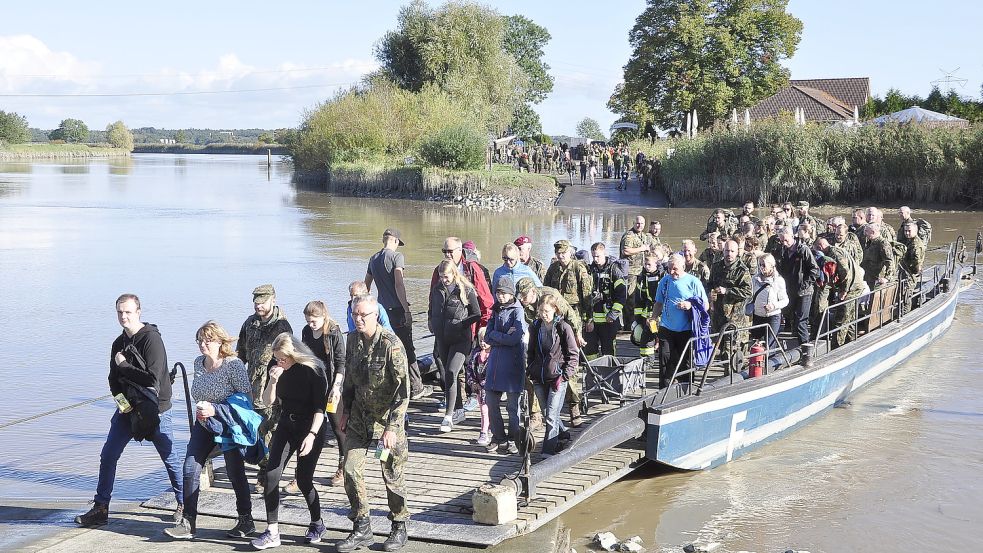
{"x": 471, "y": 404}
{"x": 314, "y": 532}
{"x": 483, "y": 439}
{"x": 291, "y": 488}
{"x": 179, "y": 513}
{"x": 491, "y": 447}
{"x": 459, "y": 416}
{"x": 98, "y": 515}
{"x": 508, "y": 448}
{"x": 536, "y": 421}
{"x": 423, "y": 392}
{"x": 183, "y": 530}
{"x": 266, "y": 540}
{"x": 244, "y": 528}
{"x": 331, "y": 442}
{"x": 447, "y": 424}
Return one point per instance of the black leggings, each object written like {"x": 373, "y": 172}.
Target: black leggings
{"x": 286, "y": 440}
{"x": 452, "y": 359}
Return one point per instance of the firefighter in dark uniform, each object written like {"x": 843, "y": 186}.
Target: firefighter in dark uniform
{"x": 648, "y": 283}
{"x": 608, "y": 302}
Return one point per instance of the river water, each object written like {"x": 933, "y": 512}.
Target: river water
{"x": 897, "y": 469}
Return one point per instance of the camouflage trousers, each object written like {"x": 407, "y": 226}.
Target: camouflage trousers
{"x": 271, "y": 416}
{"x": 724, "y": 313}
{"x": 839, "y": 317}
{"x": 360, "y": 446}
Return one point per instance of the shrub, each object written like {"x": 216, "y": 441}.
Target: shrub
{"x": 456, "y": 147}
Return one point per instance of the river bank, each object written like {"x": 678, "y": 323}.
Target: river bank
{"x": 500, "y": 189}
{"x": 233, "y": 149}
{"x": 27, "y": 152}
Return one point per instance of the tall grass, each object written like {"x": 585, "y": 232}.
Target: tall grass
{"x": 774, "y": 161}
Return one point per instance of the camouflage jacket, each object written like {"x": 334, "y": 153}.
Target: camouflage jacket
{"x": 848, "y": 285}
{"x": 735, "y": 277}
{"x": 914, "y": 257}
{"x": 851, "y": 245}
{"x": 700, "y": 271}
{"x": 878, "y": 262}
{"x": 537, "y": 267}
{"x": 255, "y": 348}
{"x": 573, "y": 282}
{"x": 563, "y": 309}
{"x": 632, "y": 239}
{"x": 377, "y": 385}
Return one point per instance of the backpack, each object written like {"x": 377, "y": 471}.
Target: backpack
{"x": 924, "y": 230}
{"x": 898, "y": 249}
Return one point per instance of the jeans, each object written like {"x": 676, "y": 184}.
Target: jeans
{"x": 117, "y": 439}
{"x": 495, "y": 423}
{"x": 200, "y": 445}
{"x": 553, "y": 402}
{"x": 797, "y": 315}
{"x": 771, "y": 340}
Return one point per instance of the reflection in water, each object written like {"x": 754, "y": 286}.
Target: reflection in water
{"x": 194, "y": 234}
{"x": 74, "y": 168}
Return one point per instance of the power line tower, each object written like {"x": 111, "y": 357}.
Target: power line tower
{"x": 948, "y": 79}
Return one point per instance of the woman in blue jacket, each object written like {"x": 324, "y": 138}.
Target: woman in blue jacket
{"x": 505, "y": 334}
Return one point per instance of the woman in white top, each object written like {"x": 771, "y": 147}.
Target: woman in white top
{"x": 769, "y": 297}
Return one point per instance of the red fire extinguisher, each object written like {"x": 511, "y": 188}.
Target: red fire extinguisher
{"x": 756, "y": 367}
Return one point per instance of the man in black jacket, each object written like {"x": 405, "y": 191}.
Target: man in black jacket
{"x": 798, "y": 267}
{"x": 137, "y": 360}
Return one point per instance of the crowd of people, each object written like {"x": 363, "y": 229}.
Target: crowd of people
{"x": 523, "y": 326}
{"x": 590, "y": 161}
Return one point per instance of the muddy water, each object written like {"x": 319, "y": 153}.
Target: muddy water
{"x": 897, "y": 469}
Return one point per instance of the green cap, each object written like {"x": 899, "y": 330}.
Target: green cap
{"x": 524, "y": 285}
{"x": 562, "y": 245}
{"x": 802, "y": 203}
{"x": 263, "y": 292}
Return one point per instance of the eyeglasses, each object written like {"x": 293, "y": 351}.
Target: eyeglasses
{"x": 446, "y": 251}
{"x": 357, "y": 315}
{"x": 508, "y": 259}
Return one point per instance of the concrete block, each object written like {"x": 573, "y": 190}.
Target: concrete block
{"x": 207, "y": 475}
{"x": 606, "y": 541}
{"x": 494, "y": 504}
{"x": 631, "y": 545}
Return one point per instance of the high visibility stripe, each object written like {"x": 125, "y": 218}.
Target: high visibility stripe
{"x": 593, "y": 356}
{"x": 646, "y": 351}
{"x": 600, "y": 317}
{"x": 617, "y": 307}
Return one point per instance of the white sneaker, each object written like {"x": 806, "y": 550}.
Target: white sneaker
{"x": 446, "y": 425}
{"x": 459, "y": 416}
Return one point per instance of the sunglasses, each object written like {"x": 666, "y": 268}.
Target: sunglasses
{"x": 509, "y": 259}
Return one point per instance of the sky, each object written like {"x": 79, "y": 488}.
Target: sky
{"x": 248, "y": 64}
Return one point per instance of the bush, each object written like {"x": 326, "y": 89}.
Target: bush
{"x": 456, "y": 147}
{"x": 13, "y": 128}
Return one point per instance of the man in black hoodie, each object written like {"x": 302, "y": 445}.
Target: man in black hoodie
{"x": 137, "y": 360}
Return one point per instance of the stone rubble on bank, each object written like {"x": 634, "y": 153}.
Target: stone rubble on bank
{"x": 492, "y": 201}
{"x": 700, "y": 548}
{"x": 609, "y": 542}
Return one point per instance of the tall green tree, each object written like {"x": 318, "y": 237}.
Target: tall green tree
{"x": 708, "y": 55}
{"x": 119, "y": 136}
{"x": 180, "y": 136}
{"x": 459, "y": 49}
{"x": 589, "y": 128}
{"x": 525, "y": 122}
{"x": 70, "y": 130}
{"x": 13, "y": 128}
{"x": 525, "y": 40}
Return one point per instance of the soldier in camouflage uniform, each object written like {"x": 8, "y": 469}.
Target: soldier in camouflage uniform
{"x": 376, "y": 394}
{"x": 910, "y": 266}
{"x": 876, "y": 217}
{"x": 255, "y": 349}
{"x": 802, "y": 213}
{"x": 655, "y": 231}
{"x": 748, "y": 209}
{"x": 878, "y": 264}
{"x": 571, "y": 278}
{"x": 730, "y": 289}
{"x": 634, "y": 245}
{"x": 845, "y": 284}
{"x": 714, "y": 250}
{"x": 846, "y": 240}
{"x": 694, "y": 266}
{"x": 723, "y": 222}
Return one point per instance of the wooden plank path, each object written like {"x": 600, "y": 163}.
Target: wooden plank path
{"x": 442, "y": 471}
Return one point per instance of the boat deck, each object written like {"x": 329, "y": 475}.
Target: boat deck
{"x": 442, "y": 472}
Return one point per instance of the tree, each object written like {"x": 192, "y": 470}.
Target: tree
{"x": 70, "y": 130}
{"x": 119, "y": 136}
{"x": 525, "y": 122}
{"x": 459, "y": 49}
{"x": 525, "y": 40}
{"x": 14, "y": 128}
{"x": 180, "y": 137}
{"x": 266, "y": 138}
{"x": 708, "y": 55}
{"x": 589, "y": 128}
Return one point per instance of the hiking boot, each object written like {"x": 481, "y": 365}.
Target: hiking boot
{"x": 338, "y": 480}
{"x": 397, "y": 537}
{"x": 184, "y": 530}
{"x": 266, "y": 540}
{"x": 508, "y": 448}
{"x": 575, "y": 419}
{"x": 423, "y": 392}
{"x": 179, "y": 513}
{"x": 459, "y": 416}
{"x": 291, "y": 488}
{"x": 314, "y": 532}
{"x": 361, "y": 535}
{"x": 98, "y": 515}
{"x": 244, "y": 528}
{"x": 491, "y": 447}
{"x": 536, "y": 421}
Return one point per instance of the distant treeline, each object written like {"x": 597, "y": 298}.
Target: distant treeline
{"x": 950, "y": 103}
{"x": 200, "y": 137}
{"x": 247, "y": 149}
{"x": 775, "y": 161}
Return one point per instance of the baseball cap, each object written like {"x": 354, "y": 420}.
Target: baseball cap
{"x": 394, "y": 233}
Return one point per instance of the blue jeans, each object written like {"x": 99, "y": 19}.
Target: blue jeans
{"x": 200, "y": 445}
{"x": 120, "y": 435}
{"x": 552, "y": 402}
{"x": 495, "y": 422}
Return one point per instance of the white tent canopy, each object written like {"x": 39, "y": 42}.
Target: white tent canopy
{"x": 915, "y": 114}
{"x": 624, "y": 125}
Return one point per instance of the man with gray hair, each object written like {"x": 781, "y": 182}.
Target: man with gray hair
{"x": 672, "y": 310}
{"x": 798, "y": 266}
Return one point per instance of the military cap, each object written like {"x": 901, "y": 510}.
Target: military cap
{"x": 263, "y": 292}
{"x": 394, "y": 233}
{"x": 524, "y": 285}
{"x": 802, "y": 203}
{"x": 522, "y": 241}
{"x": 561, "y": 246}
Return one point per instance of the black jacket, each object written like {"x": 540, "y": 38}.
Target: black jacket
{"x": 145, "y": 345}
{"x": 334, "y": 347}
{"x": 560, "y": 360}
{"x": 450, "y": 318}
{"x": 798, "y": 267}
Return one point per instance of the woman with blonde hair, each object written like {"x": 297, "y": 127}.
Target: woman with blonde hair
{"x": 453, "y": 310}
{"x": 218, "y": 374}
{"x": 768, "y": 298}
{"x": 323, "y": 335}
{"x": 299, "y": 385}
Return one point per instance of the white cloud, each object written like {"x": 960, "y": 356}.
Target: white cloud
{"x": 27, "y": 64}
